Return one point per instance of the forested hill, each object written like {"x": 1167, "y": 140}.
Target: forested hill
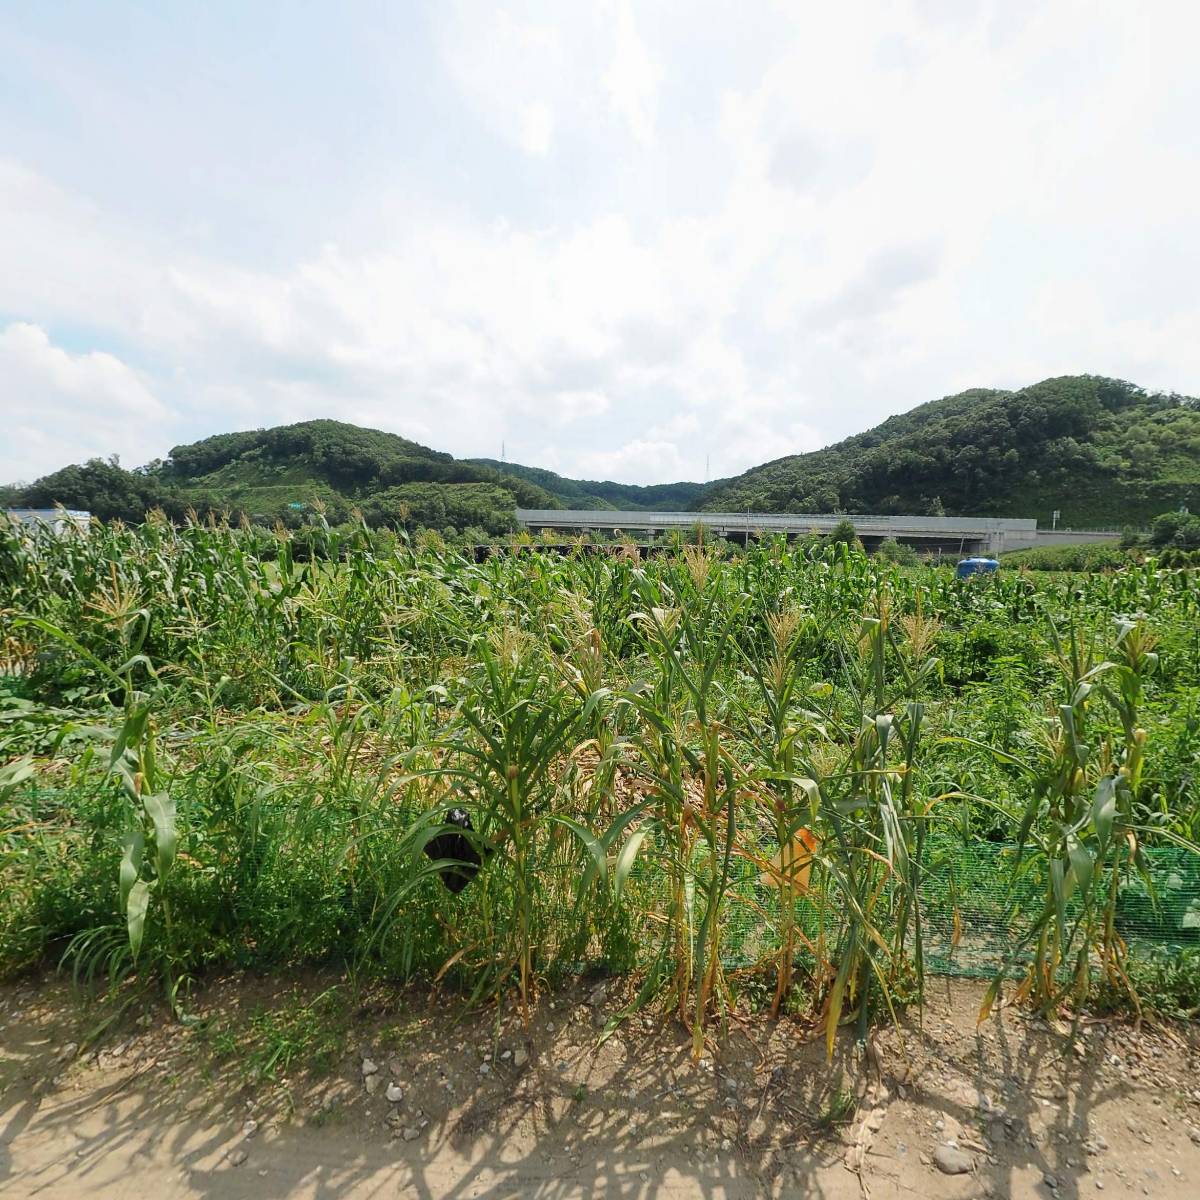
{"x": 380, "y": 472}
{"x": 286, "y": 472}
{"x": 1101, "y": 451}
{"x": 592, "y": 493}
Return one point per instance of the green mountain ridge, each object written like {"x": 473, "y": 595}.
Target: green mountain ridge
{"x": 285, "y": 472}
{"x": 593, "y": 493}
{"x": 1101, "y": 451}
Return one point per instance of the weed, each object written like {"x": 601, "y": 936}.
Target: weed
{"x": 839, "y": 1106}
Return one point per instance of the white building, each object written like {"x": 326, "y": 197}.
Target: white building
{"x": 59, "y": 519}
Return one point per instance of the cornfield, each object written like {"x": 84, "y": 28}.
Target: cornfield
{"x": 722, "y": 772}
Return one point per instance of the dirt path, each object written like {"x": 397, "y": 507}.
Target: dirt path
{"x": 488, "y": 1112}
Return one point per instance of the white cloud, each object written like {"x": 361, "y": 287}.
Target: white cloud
{"x": 61, "y": 258}
{"x": 537, "y": 129}
{"x": 512, "y": 67}
{"x": 655, "y": 242}
{"x": 61, "y": 407}
{"x": 570, "y": 407}
{"x": 633, "y": 77}
{"x": 634, "y": 462}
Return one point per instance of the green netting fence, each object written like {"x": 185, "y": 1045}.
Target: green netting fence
{"x": 976, "y": 901}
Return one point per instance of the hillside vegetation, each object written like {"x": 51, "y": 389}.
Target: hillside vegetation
{"x": 284, "y": 472}
{"x": 1101, "y": 451}
{"x": 280, "y": 473}
{"x": 594, "y": 493}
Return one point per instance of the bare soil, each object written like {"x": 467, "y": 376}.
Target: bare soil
{"x": 155, "y": 1108}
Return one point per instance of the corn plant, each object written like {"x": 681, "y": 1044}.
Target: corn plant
{"x": 791, "y": 799}
{"x": 872, "y": 849}
{"x": 695, "y": 779}
{"x": 515, "y": 733}
{"x": 1083, "y": 826}
{"x": 628, "y": 735}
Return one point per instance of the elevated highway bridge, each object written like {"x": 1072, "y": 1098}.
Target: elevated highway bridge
{"x": 957, "y": 535}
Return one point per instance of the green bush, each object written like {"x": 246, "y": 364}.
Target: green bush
{"x": 843, "y": 531}
{"x": 899, "y": 553}
{"x": 1092, "y": 556}
{"x": 1179, "y": 530}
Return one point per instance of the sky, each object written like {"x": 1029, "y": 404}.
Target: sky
{"x": 638, "y": 241}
